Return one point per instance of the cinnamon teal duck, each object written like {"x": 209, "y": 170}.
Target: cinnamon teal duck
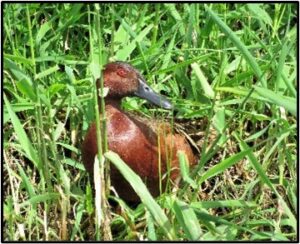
{"x": 145, "y": 145}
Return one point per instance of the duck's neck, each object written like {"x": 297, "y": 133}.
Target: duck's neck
{"x": 116, "y": 103}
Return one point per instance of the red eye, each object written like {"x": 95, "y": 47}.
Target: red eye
{"x": 121, "y": 72}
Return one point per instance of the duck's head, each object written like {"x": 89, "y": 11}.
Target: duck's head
{"x": 124, "y": 80}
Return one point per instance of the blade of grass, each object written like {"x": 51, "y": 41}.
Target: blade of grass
{"x": 26, "y": 89}
{"x": 150, "y": 224}
{"x": 208, "y": 91}
{"x": 176, "y": 16}
{"x": 187, "y": 220}
{"x": 224, "y": 203}
{"x": 289, "y": 103}
{"x": 25, "y": 179}
{"x": 251, "y": 157}
{"x": 124, "y": 53}
{"x": 142, "y": 191}
{"x": 242, "y": 92}
{"x": 220, "y": 167}
{"x": 46, "y": 72}
{"x": 184, "y": 169}
{"x": 40, "y": 198}
{"x": 237, "y": 42}
{"x": 42, "y": 150}
{"x": 260, "y": 13}
{"x": 25, "y": 143}
{"x": 16, "y": 71}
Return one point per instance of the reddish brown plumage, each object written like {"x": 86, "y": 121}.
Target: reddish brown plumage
{"x": 134, "y": 138}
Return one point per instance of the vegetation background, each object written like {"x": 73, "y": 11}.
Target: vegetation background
{"x": 231, "y": 70}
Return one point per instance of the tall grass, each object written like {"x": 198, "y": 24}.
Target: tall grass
{"x": 230, "y": 70}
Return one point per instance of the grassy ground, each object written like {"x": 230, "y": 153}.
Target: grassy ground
{"x": 230, "y": 69}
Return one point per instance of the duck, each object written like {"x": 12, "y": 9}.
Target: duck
{"x": 148, "y": 146}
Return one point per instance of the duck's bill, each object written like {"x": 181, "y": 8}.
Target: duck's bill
{"x": 146, "y": 92}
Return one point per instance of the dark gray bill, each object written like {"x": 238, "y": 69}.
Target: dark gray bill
{"x": 146, "y": 92}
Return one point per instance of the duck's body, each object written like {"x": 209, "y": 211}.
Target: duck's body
{"x": 134, "y": 139}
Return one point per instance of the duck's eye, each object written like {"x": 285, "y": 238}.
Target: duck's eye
{"x": 121, "y": 72}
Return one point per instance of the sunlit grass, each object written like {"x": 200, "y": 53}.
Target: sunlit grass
{"x": 230, "y": 70}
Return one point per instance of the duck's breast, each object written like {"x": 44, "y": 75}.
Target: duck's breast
{"x": 134, "y": 142}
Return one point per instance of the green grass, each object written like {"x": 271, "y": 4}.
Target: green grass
{"x": 230, "y": 70}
